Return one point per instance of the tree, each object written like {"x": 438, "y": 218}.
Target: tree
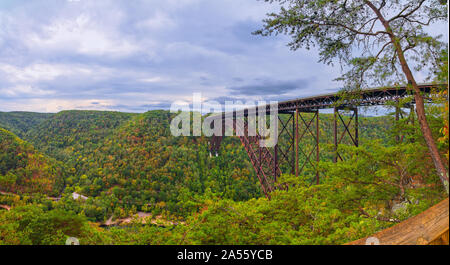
{"x": 442, "y": 76}
{"x": 395, "y": 30}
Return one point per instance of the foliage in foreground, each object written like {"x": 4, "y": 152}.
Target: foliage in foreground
{"x": 355, "y": 199}
{"x": 378, "y": 184}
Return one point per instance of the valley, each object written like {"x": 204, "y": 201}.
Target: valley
{"x": 131, "y": 175}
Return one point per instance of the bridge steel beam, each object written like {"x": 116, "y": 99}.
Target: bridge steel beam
{"x": 339, "y": 136}
{"x": 307, "y": 130}
{"x": 287, "y": 154}
{"x": 266, "y": 162}
{"x": 216, "y": 140}
{"x": 296, "y": 129}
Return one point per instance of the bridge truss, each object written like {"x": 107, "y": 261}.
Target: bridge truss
{"x": 302, "y": 122}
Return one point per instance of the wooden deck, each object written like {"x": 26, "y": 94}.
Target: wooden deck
{"x": 427, "y": 228}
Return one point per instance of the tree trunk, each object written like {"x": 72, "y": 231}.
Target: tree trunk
{"x": 426, "y": 131}
{"x": 420, "y": 106}
{"x": 420, "y": 109}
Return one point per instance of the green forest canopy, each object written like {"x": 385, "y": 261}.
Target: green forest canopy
{"x": 128, "y": 163}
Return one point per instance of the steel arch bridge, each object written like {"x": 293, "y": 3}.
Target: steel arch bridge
{"x": 266, "y": 161}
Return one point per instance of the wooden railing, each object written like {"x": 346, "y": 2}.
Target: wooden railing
{"x": 427, "y": 228}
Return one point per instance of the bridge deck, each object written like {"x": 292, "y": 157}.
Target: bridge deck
{"x": 368, "y": 97}
{"x": 430, "y": 227}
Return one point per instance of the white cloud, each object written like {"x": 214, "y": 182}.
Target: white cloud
{"x": 24, "y": 91}
{"x": 160, "y": 21}
{"x": 56, "y": 105}
{"x": 119, "y": 53}
{"x": 41, "y": 72}
{"x": 155, "y": 79}
{"x": 81, "y": 35}
{"x": 185, "y": 50}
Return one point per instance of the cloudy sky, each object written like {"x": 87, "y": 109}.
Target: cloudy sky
{"x": 144, "y": 54}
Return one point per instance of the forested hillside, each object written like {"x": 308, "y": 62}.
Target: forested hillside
{"x": 20, "y": 122}
{"x": 127, "y": 164}
{"x": 25, "y": 170}
{"x": 67, "y": 132}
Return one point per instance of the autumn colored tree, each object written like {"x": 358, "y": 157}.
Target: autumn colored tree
{"x": 442, "y": 76}
{"x": 380, "y": 42}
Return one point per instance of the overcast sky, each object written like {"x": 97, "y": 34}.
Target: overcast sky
{"x": 137, "y": 55}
